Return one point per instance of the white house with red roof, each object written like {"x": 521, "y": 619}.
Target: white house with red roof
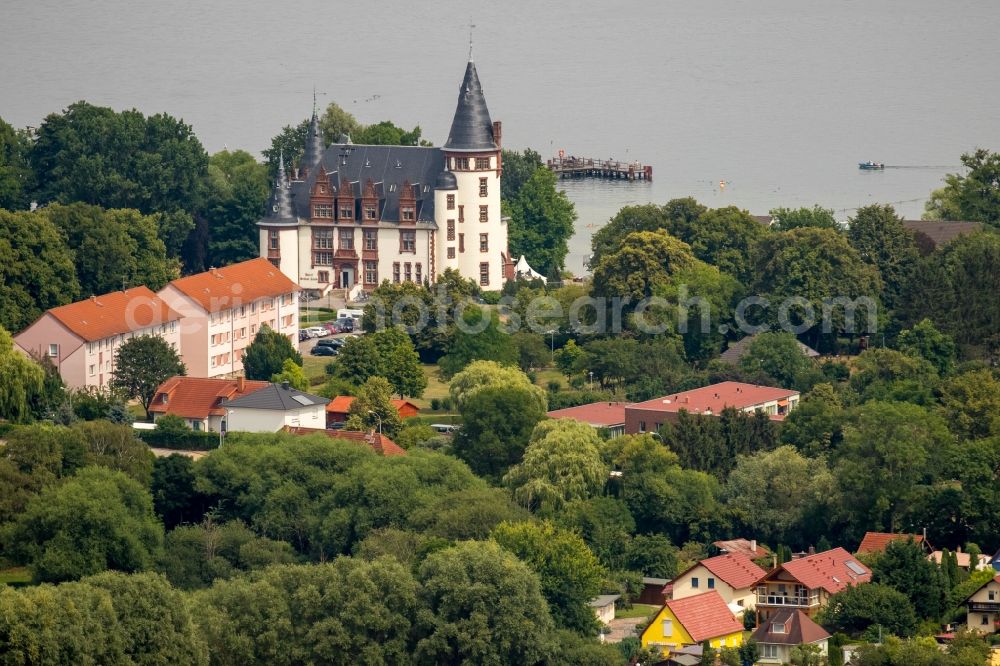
{"x": 983, "y": 607}
{"x": 199, "y": 400}
{"x": 650, "y": 415}
{"x": 807, "y": 583}
{"x": 734, "y": 576}
{"x": 81, "y": 338}
{"x": 222, "y": 310}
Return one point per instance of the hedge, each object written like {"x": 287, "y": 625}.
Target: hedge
{"x": 190, "y": 440}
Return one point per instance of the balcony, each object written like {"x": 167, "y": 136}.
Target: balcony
{"x": 984, "y": 606}
{"x": 788, "y": 601}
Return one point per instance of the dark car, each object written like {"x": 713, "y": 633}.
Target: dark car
{"x": 323, "y": 350}
{"x": 303, "y": 335}
{"x": 346, "y": 325}
{"x": 333, "y": 343}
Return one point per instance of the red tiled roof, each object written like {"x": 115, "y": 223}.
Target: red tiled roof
{"x": 713, "y": 399}
{"x": 799, "y": 629}
{"x": 199, "y": 397}
{"x": 827, "y": 570}
{"x": 341, "y": 404}
{"x": 705, "y": 616}
{"x": 379, "y": 443}
{"x": 734, "y": 569}
{"x": 751, "y": 549}
{"x": 100, "y": 317}
{"x": 221, "y": 288}
{"x": 876, "y": 542}
{"x": 596, "y": 413}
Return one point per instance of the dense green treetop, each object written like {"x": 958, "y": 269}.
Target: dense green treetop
{"x": 541, "y": 223}
{"x": 786, "y": 219}
{"x": 882, "y": 241}
{"x": 23, "y": 380}
{"x": 266, "y": 355}
{"x": 16, "y": 177}
{"x": 142, "y": 364}
{"x": 972, "y": 196}
{"x": 644, "y": 261}
{"x": 235, "y": 191}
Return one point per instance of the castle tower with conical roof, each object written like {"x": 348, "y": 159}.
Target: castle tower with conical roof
{"x": 467, "y": 195}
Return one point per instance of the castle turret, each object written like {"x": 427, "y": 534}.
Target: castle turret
{"x": 278, "y": 230}
{"x": 472, "y": 236}
{"x": 314, "y": 147}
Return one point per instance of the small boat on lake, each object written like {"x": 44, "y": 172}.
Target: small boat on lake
{"x": 870, "y": 166}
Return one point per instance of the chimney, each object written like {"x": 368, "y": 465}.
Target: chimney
{"x": 241, "y": 384}
{"x": 284, "y": 384}
{"x": 812, "y": 550}
{"x": 958, "y": 549}
{"x": 497, "y": 133}
{"x": 753, "y": 546}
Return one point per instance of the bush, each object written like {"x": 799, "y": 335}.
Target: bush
{"x": 183, "y": 440}
{"x": 490, "y": 297}
{"x": 554, "y": 385}
{"x": 435, "y": 404}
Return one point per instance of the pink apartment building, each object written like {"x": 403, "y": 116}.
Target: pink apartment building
{"x": 223, "y": 308}
{"x": 81, "y": 338}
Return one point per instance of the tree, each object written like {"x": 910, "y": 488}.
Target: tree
{"x": 607, "y": 526}
{"x": 924, "y": 341}
{"x": 724, "y": 238}
{"x": 236, "y": 189}
{"x": 481, "y": 339}
{"x": 496, "y": 426}
{"x": 749, "y": 652}
{"x": 372, "y": 409}
{"x": 97, "y": 520}
{"x": 265, "y": 356}
{"x": 887, "y": 374}
{"x": 970, "y": 402}
{"x": 882, "y": 241}
{"x": 358, "y": 360}
{"x": 116, "y": 447}
{"x": 786, "y": 219}
{"x": 518, "y": 167}
{"x": 94, "y": 155}
{"x": 781, "y": 356}
{"x": 287, "y": 144}
{"x": 24, "y": 381}
{"x": 541, "y": 222}
{"x": 974, "y": 196}
{"x": 561, "y": 463}
{"x": 469, "y": 513}
{"x": 336, "y": 122}
{"x": 857, "y": 607}
{"x": 142, "y": 364}
{"x": 652, "y": 555}
{"x": 816, "y": 426}
{"x": 815, "y": 265}
{"x": 676, "y": 215}
{"x": 36, "y": 268}
{"x": 175, "y": 499}
{"x": 113, "y": 248}
{"x": 292, "y": 373}
{"x": 904, "y": 567}
{"x": 481, "y": 375}
{"x": 486, "y": 608}
{"x": 401, "y": 363}
{"x": 16, "y": 177}
{"x": 532, "y": 351}
{"x": 645, "y": 261}
{"x": 775, "y": 493}
{"x": 952, "y": 288}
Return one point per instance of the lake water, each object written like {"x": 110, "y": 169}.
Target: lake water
{"x": 779, "y": 98}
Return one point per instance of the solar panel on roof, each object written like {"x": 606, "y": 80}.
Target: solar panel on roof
{"x": 302, "y": 400}
{"x": 855, "y": 567}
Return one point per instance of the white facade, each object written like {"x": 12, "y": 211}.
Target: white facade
{"x": 242, "y": 419}
{"x": 476, "y": 242}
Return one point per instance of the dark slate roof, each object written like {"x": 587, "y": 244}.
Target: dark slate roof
{"x": 314, "y": 144}
{"x": 279, "y": 209}
{"x": 471, "y": 129}
{"x": 277, "y": 397}
{"x": 388, "y": 167}
{"x": 446, "y": 181}
{"x": 941, "y": 232}
{"x": 736, "y": 350}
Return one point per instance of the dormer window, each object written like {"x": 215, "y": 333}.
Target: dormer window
{"x": 408, "y": 214}
{"x": 347, "y": 212}
{"x": 777, "y": 627}
{"x": 369, "y": 212}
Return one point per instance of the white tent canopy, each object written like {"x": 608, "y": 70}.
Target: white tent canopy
{"x": 522, "y": 271}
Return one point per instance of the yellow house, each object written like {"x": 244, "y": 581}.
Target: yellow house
{"x": 691, "y": 621}
{"x": 983, "y": 607}
{"x": 733, "y": 575}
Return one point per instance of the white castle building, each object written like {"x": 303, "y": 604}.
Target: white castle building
{"x": 355, "y": 215}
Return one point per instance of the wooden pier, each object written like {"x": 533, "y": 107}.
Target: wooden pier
{"x": 585, "y": 167}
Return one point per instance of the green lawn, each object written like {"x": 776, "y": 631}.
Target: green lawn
{"x": 15, "y": 576}
{"x": 637, "y": 610}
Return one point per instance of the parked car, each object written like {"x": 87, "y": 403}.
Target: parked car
{"x": 303, "y": 335}
{"x": 332, "y": 326}
{"x": 329, "y": 342}
{"x": 445, "y": 428}
{"x": 323, "y": 350}
{"x": 317, "y": 331}
{"x": 346, "y": 325}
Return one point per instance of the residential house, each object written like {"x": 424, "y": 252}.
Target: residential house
{"x": 274, "y": 407}
{"x": 807, "y": 583}
{"x": 964, "y": 560}
{"x": 783, "y": 631}
{"x": 222, "y": 310}
{"x": 734, "y": 354}
{"x": 378, "y": 442}
{"x": 983, "y": 608}
{"x": 692, "y": 620}
{"x": 340, "y": 406}
{"x": 933, "y": 234}
{"x": 604, "y": 607}
{"x": 608, "y": 416}
{"x": 876, "y": 542}
{"x": 650, "y": 415}
{"x": 733, "y": 576}
{"x": 198, "y": 400}
{"x": 748, "y": 547}
{"x": 81, "y": 338}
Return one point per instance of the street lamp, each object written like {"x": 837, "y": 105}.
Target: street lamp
{"x": 552, "y": 343}
{"x": 591, "y": 380}
{"x": 376, "y": 415}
